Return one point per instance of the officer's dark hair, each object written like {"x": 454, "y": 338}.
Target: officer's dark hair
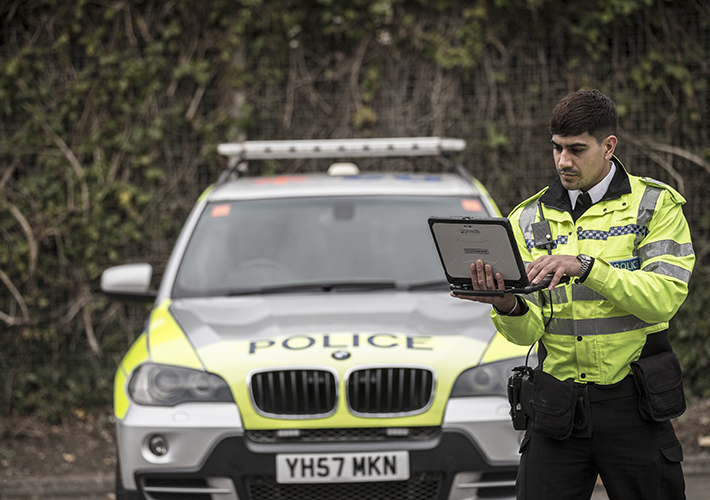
{"x": 585, "y": 111}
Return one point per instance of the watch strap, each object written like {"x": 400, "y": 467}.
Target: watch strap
{"x": 587, "y": 263}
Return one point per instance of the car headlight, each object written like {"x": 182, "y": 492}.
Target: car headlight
{"x": 490, "y": 379}
{"x": 165, "y": 385}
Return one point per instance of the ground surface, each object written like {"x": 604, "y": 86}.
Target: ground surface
{"x": 82, "y": 444}
{"x": 85, "y": 443}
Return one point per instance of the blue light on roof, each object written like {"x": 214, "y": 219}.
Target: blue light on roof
{"x": 417, "y": 178}
{"x": 365, "y": 177}
{"x": 399, "y": 177}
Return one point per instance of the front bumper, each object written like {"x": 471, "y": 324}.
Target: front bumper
{"x": 473, "y": 455}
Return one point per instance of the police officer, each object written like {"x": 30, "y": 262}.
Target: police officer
{"x": 625, "y": 244}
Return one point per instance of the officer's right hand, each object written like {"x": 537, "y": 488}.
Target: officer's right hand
{"x": 482, "y": 279}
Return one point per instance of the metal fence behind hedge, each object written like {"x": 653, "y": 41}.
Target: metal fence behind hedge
{"x": 334, "y": 88}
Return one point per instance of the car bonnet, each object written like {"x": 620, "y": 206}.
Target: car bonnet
{"x": 238, "y": 336}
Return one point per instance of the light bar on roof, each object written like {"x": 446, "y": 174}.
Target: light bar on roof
{"x": 341, "y": 148}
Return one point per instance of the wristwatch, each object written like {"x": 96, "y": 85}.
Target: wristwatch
{"x": 587, "y": 263}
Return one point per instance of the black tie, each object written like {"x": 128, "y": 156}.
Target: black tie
{"x": 584, "y": 201}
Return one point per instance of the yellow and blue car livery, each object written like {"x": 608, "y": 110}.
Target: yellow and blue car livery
{"x": 275, "y": 388}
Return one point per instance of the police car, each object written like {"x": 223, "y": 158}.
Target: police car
{"x": 303, "y": 343}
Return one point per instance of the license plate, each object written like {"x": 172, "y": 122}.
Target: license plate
{"x": 342, "y": 467}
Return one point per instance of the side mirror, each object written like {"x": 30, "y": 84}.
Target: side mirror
{"x": 128, "y": 283}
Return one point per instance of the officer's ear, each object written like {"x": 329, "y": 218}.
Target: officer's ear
{"x": 609, "y": 145}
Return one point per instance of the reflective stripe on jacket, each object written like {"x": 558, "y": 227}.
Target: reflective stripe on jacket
{"x": 643, "y": 255}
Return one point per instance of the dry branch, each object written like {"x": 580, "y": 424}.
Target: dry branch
{"x": 290, "y": 91}
{"x": 29, "y": 234}
{"x": 355, "y": 72}
{"x": 20, "y": 301}
{"x": 8, "y": 173}
{"x": 668, "y": 167}
{"x": 89, "y": 328}
{"x": 310, "y": 86}
{"x": 73, "y": 161}
{"x": 683, "y": 153}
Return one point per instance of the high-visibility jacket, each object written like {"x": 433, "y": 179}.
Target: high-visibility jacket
{"x": 641, "y": 244}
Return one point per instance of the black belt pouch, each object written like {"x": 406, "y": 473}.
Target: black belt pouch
{"x": 660, "y": 383}
{"x": 554, "y": 402}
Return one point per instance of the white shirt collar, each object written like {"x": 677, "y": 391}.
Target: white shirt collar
{"x": 598, "y": 191}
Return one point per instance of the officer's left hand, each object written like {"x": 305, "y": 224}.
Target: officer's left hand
{"x": 557, "y": 265}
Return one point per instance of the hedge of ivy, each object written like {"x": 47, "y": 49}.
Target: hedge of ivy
{"x": 110, "y": 114}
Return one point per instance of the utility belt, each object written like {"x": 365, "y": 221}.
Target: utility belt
{"x": 559, "y": 408}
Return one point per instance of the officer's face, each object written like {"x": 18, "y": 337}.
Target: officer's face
{"x": 581, "y": 162}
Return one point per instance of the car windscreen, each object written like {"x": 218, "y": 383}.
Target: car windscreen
{"x": 324, "y": 243}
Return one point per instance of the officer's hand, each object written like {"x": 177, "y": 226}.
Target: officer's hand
{"x": 557, "y": 265}
{"x": 482, "y": 279}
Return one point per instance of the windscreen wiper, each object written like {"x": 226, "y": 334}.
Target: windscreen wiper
{"x": 328, "y": 286}
{"x": 429, "y": 285}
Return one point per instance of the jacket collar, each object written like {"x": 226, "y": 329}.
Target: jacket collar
{"x": 557, "y": 197}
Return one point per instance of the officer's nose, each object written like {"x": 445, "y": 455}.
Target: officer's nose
{"x": 564, "y": 159}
